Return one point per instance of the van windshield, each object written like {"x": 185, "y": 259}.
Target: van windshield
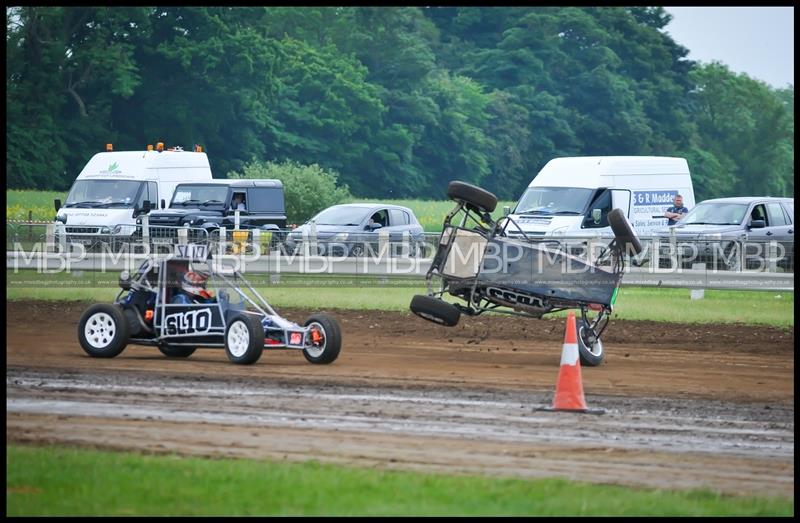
{"x": 553, "y": 200}
{"x": 103, "y": 193}
{"x": 199, "y": 195}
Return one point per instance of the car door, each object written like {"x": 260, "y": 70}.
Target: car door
{"x": 776, "y": 229}
{"x": 398, "y": 224}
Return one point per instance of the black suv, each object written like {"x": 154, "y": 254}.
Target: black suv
{"x": 211, "y": 205}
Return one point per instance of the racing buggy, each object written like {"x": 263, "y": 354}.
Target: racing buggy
{"x": 186, "y": 301}
{"x": 477, "y": 262}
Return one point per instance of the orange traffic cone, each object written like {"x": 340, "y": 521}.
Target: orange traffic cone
{"x": 569, "y": 387}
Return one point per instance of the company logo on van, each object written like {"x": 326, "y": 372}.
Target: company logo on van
{"x": 112, "y": 169}
{"x": 654, "y": 197}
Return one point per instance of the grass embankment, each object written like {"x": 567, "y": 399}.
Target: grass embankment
{"x": 68, "y": 481}
{"x": 371, "y": 292}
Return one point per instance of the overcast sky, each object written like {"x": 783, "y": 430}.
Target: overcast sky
{"x": 758, "y": 41}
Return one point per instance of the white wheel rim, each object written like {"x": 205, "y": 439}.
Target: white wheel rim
{"x": 596, "y": 348}
{"x": 100, "y": 330}
{"x": 238, "y": 339}
{"x": 315, "y": 351}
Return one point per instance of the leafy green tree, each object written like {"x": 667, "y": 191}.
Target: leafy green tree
{"x": 308, "y": 189}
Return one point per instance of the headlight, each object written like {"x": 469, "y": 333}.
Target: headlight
{"x": 105, "y": 230}
{"x": 117, "y": 229}
{"x": 61, "y": 218}
{"x": 340, "y": 237}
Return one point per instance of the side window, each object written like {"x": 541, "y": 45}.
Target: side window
{"x": 758, "y": 213}
{"x": 265, "y": 199}
{"x": 603, "y": 203}
{"x": 775, "y": 214}
{"x": 788, "y": 209}
{"x": 381, "y": 217}
{"x": 239, "y": 201}
{"x": 143, "y": 195}
{"x": 398, "y": 217}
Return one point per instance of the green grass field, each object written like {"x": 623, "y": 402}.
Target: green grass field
{"x": 350, "y": 292}
{"x": 78, "y": 482}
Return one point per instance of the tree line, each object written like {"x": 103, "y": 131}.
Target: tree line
{"x": 397, "y": 101}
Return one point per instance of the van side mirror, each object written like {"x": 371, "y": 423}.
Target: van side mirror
{"x": 57, "y": 204}
{"x": 146, "y": 207}
{"x": 758, "y": 224}
{"x": 506, "y": 210}
{"x": 163, "y": 203}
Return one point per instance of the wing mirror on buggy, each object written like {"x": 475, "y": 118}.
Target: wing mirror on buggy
{"x": 758, "y": 224}
{"x": 506, "y": 210}
{"x": 57, "y": 204}
{"x": 596, "y": 215}
{"x": 125, "y": 280}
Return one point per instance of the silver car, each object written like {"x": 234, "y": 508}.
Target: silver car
{"x": 353, "y": 229}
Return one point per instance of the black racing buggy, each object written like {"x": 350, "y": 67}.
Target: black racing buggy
{"x": 477, "y": 262}
{"x": 187, "y": 301}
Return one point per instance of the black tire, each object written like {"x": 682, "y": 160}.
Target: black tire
{"x": 436, "y": 310}
{"x": 244, "y": 339}
{"x": 327, "y": 349}
{"x": 623, "y": 231}
{"x": 476, "y": 198}
{"x": 103, "y": 331}
{"x": 176, "y": 351}
{"x": 591, "y": 354}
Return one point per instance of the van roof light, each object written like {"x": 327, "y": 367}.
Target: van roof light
{"x": 149, "y": 147}
{"x": 198, "y": 149}
{"x": 160, "y": 146}
{"x": 109, "y": 147}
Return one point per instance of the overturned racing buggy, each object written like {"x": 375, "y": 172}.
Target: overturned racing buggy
{"x": 479, "y": 263}
{"x": 187, "y": 301}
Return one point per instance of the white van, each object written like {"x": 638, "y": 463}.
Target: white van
{"x": 111, "y": 190}
{"x": 573, "y": 196}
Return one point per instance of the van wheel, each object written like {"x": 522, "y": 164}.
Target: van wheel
{"x": 476, "y": 198}
{"x": 436, "y": 310}
{"x": 623, "y": 231}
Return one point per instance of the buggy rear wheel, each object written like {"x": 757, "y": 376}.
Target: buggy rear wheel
{"x": 244, "y": 339}
{"x": 176, "y": 351}
{"x": 476, "y": 198}
{"x": 103, "y": 330}
{"x": 590, "y": 348}
{"x": 623, "y": 231}
{"x": 324, "y": 339}
{"x": 435, "y": 310}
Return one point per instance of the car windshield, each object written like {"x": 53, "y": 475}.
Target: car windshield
{"x": 103, "y": 193}
{"x": 341, "y": 215}
{"x": 198, "y": 195}
{"x": 712, "y": 213}
{"x": 553, "y": 200}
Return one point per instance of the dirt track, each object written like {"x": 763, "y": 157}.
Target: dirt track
{"x": 686, "y": 406}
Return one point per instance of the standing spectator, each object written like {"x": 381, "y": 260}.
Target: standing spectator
{"x": 677, "y": 210}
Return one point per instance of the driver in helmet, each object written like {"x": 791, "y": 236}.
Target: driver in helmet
{"x": 193, "y": 289}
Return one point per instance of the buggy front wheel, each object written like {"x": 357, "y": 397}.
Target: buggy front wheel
{"x": 244, "y": 339}
{"x": 103, "y": 330}
{"x": 590, "y": 348}
{"x": 435, "y": 310}
{"x": 324, "y": 339}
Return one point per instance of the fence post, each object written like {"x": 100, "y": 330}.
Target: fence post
{"x": 673, "y": 249}
{"x": 49, "y": 237}
{"x": 257, "y": 241}
{"x": 30, "y": 225}
{"x": 383, "y": 242}
{"x": 405, "y": 249}
{"x": 223, "y": 239}
{"x": 183, "y": 235}
{"x": 236, "y": 220}
{"x": 145, "y": 229}
{"x": 772, "y": 265}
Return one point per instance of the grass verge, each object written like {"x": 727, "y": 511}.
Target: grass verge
{"x": 80, "y": 482}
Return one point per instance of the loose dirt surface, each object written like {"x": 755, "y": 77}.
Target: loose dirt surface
{"x": 686, "y": 406}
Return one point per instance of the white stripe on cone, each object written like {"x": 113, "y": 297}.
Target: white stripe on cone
{"x": 569, "y": 354}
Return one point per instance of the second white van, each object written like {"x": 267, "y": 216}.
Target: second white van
{"x": 573, "y": 195}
